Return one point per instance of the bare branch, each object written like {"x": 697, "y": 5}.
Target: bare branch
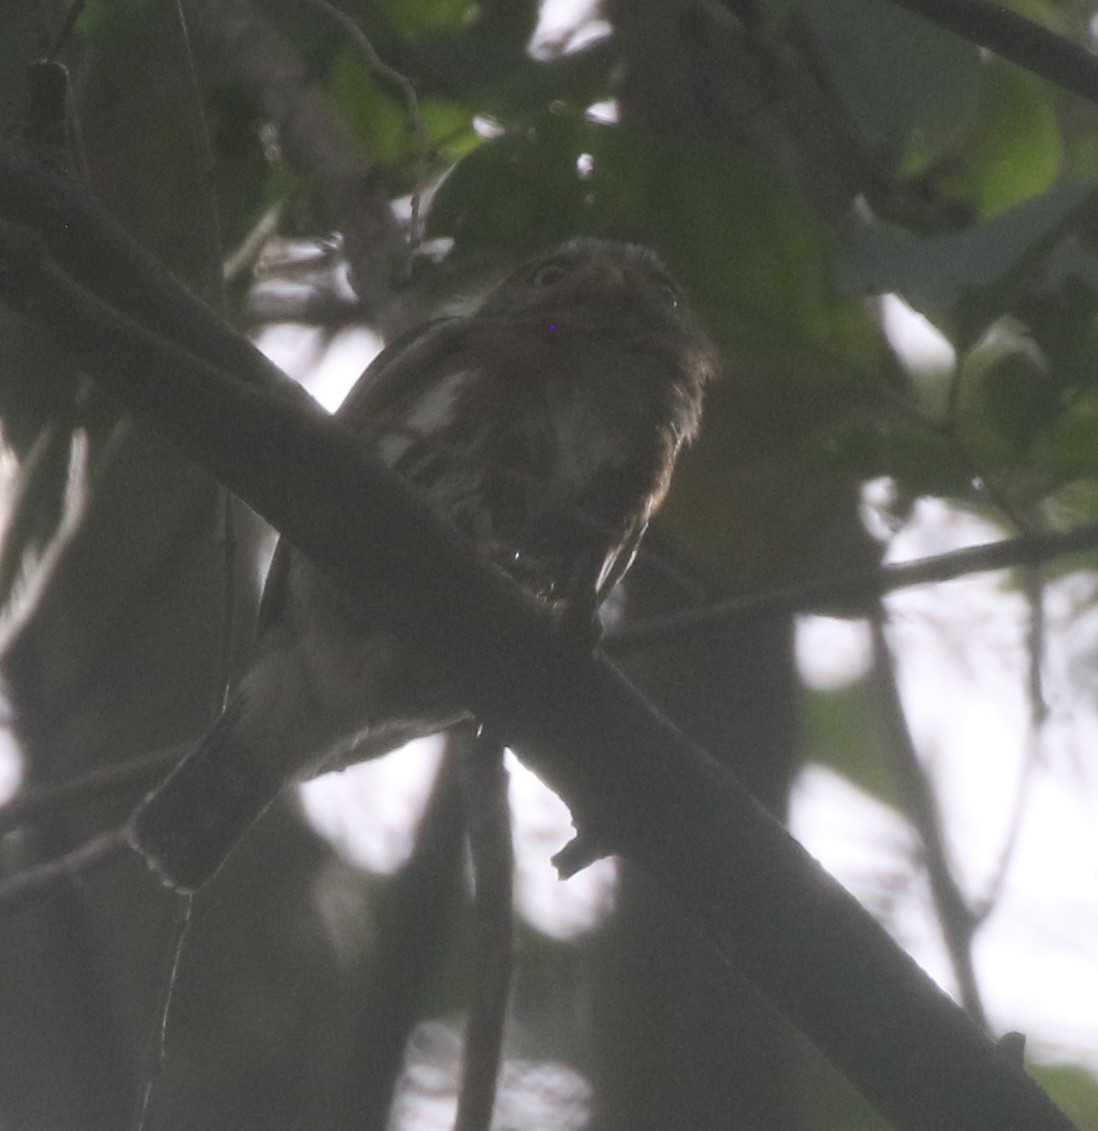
{"x": 410, "y": 940}
{"x": 209, "y": 231}
{"x": 403, "y": 84}
{"x": 859, "y": 592}
{"x": 98, "y": 253}
{"x": 155, "y": 1053}
{"x": 488, "y": 824}
{"x": 1038, "y": 713}
{"x": 21, "y": 890}
{"x": 312, "y": 139}
{"x": 957, "y": 920}
{"x": 47, "y": 801}
{"x": 1014, "y": 37}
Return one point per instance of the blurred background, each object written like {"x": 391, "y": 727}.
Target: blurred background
{"x": 891, "y": 235}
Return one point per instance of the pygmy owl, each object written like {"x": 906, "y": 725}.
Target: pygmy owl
{"x": 545, "y": 427}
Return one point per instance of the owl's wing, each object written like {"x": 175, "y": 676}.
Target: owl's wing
{"x": 402, "y": 374}
{"x": 401, "y": 381}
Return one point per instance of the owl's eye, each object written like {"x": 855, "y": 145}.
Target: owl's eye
{"x": 547, "y": 274}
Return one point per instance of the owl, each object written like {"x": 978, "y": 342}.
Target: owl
{"x": 544, "y": 427}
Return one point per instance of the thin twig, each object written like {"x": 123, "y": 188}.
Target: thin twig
{"x": 407, "y": 89}
{"x": 488, "y": 822}
{"x": 213, "y": 282}
{"x": 213, "y": 264}
{"x": 180, "y": 925}
{"x": 1035, "y": 648}
{"x": 44, "y": 127}
{"x": 988, "y": 900}
{"x": 1014, "y": 37}
{"x": 109, "y": 782}
{"x": 955, "y": 917}
{"x": 1038, "y": 713}
{"x": 76, "y": 10}
{"x": 95, "y": 251}
{"x": 313, "y": 140}
{"x": 226, "y": 521}
{"x": 245, "y": 255}
{"x": 25, "y": 887}
{"x": 859, "y": 591}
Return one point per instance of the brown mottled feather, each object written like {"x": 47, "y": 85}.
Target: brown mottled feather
{"x": 544, "y": 427}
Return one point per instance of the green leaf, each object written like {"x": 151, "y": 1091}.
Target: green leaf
{"x": 522, "y": 190}
{"x": 1067, "y": 448}
{"x": 159, "y": 176}
{"x": 961, "y": 281}
{"x": 1062, "y": 314}
{"x": 26, "y": 31}
{"x": 1020, "y": 399}
{"x": 1006, "y": 404}
{"x": 759, "y": 266}
{"x": 244, "y": 179}
{"x": 424, "y": 17}
{"x": 923, "y": 460}
{"x": 380, "y": 117}
{"x": 1074, "y": 1090}
{"x": 574, "y": 81}
{"x": 1012, "y": 150}
{"x": 508, "y": 21}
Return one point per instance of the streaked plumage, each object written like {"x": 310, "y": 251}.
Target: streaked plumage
{"x": 545, "y": 427}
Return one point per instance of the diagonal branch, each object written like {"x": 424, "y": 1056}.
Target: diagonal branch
{"x": 23, "y": 888}
{"x": 859, "y": 592}
{"x": 956, "y": 918}
{"x": 95, "y": 250}
{"x": 108, "y": 782}
{"x": 1014, "y": 37}
{"x": 633, "y": 782}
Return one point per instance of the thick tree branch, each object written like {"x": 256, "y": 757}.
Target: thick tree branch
{"x": 634, "y": 783}
{"x": 1014, "y": 37}
{"x": 95, "y": 250}
{"x": 856, "y": 593}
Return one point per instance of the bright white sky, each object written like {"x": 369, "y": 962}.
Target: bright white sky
{"x": 962, "y": 662}
{"x": 961, "y": 655}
